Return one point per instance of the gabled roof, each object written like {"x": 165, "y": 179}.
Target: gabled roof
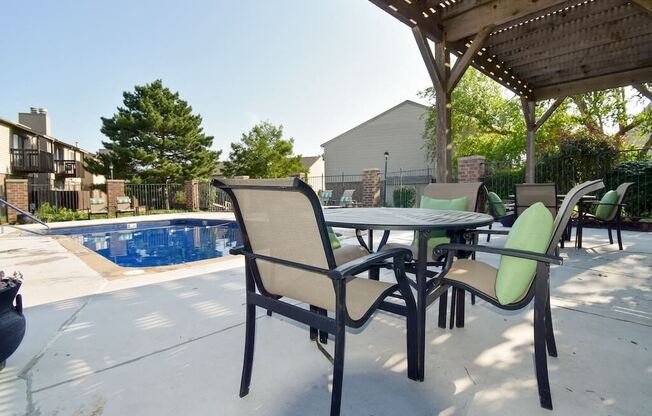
{"x": 308, "y": 161}
{"x": 404, "y": 103}
{"x": 29, "y": 130}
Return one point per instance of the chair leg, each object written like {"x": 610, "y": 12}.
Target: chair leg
{"x": 323, "y": 335}
{"x": 443, "y": 301}
{"x": 338, "y": 360}
{"x": 489, "y": 235}
{"x": 460, "y": 308}
{"x": 269, "y": 312}
{"x": 550, "y": 334}
{"x": 472, "y": 298}
{"x": 540, "y": 356}
{"x": 620, "y": 238}
{"x": 611, "y": 239}
{"x": 250, "y": 334}
{"x": 313, "y": 331}
{"x": 453, "y": 301}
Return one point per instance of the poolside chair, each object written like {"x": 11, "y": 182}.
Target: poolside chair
{"x": 501, "y": 211}
{"x": 608, "y": 213}
{"x": 97, "y": 206}
{"x": 325, "y": 197}
{"x": 346, "y": 200}
{"x": 523, "y": 273}
{"x": 527, "y": 194}
{"x": 123, "y": 206}
{"x": 302, "y": 266}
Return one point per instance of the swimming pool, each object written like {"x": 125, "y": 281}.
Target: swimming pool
{"x": 157, "y": 243}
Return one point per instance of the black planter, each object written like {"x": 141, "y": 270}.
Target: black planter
{"x": 12, "y": 322}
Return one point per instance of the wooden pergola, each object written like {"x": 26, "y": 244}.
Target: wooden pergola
{"x": 539, "y": 49}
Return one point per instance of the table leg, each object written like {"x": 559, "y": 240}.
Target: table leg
{"x": 374, "y": 272}
{"x": 580, "y": 225}
{"x": 421, "y": 302}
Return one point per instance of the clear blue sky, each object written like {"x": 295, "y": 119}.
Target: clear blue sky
{"x": 319, "y": 67}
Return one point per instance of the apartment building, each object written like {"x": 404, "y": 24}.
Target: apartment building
{"x": 28, "y": 150}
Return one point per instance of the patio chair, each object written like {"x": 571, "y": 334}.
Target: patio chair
{"x": 501, "y": 211}
{"x": 346, "y": 200}
{"x": 97, "y": 206}
{"x": 523, "y": 273}
{"x": 123, "y": 206}
{"x": 527, "y": 194}
{"x": 608, "y": 213}
{"x": 325, "y": 197}
{"x": 302, "y": 266}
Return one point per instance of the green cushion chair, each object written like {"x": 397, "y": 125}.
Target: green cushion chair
{"x": 522, "y": 276}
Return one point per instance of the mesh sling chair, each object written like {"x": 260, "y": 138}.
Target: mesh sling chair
{"x": 288, "y": 254}
{"x": 608, "y": 213}
{"x": 510, "y": 287}
{"x": 527, "y": 194}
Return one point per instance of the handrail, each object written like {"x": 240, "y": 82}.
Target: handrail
{"x": 27, "y": 214}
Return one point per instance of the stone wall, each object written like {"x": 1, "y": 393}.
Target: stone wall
{"x": 470, "y": 169}
{"x": 114, "y": 188}
{"x": 192, "y": 195}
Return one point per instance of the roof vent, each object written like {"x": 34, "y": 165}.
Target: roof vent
{"x": 33, "y": 110}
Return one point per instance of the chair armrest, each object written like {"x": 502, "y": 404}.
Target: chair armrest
{"x": 363, "y": 263}
{"x": 604, "y": 203}
{"x": 498, "y": 232}
{"x": 529, "y": 255}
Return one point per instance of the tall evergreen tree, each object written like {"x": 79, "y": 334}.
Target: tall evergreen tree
{"x": 155, "y": 137}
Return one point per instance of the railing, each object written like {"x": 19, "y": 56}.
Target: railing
{"x": 27, "y": 214}
{"x": 31, "y": 160}
{"x": 416, "y": 179}
{"x": 68, "y": 168}
{"x": 213, "y": 199}
{"x": 158, "y": 196}
{"x": 71, "y": 197}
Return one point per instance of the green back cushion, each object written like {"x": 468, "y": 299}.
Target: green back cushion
{"x": 437, "y": 237}
{"x": 497, "y": 204}
{"x": 335, "y": 242}
{"x": 606, "y": 207}
{"x": 346, "y": 199}
{"x": 531, "y": 232}
{"x": 97, "y": 201}
{"x": 123, "y": 200}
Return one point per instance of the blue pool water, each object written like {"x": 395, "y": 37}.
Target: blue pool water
{"x": 157, "y": 243}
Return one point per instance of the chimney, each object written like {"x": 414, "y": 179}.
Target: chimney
{"x": 37, "y": 119}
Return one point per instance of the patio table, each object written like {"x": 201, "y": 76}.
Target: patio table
{"x": 423, "y": 221}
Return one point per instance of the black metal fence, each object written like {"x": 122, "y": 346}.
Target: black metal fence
{"x": 627, "y": 166}
{"x": 71, "y": 197}
{"x": 158, "y": 196}
{"x": 213, "y": 199}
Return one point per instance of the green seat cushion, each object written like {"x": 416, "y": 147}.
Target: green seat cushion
{"x": 437, "y": 237}
{"x": 497, "y": 204}
{"x": 606, "y": 207}
{"x": 335, "y": 242}
{"x": 531, "y": 232}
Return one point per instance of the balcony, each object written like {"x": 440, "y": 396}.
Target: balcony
{"x": 68, "y": 168}
{"x": 31, "y": 161}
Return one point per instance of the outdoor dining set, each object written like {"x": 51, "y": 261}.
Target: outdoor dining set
{"x": 299, "y": 257}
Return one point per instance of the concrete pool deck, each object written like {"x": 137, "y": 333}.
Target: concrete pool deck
{"x": 171, "y": 343}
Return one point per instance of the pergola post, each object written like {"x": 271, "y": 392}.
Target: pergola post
{"x": 444, "y": 81}
{"x": 532, "y": 125}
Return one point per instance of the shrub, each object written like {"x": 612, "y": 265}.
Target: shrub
{"x": 405, "y": 197}
{"x": 180, "y": 197}
{"x": 50, "y": 213}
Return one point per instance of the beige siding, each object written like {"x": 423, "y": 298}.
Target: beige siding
{"x": 398, "y": 131}
{"x": 5, "y": 143}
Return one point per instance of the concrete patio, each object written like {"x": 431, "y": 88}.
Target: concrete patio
{"x": 171, "y": 343}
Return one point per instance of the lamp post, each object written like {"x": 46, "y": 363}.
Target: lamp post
{"x": 111, "y": 169}
{"x": 385, "y": 180}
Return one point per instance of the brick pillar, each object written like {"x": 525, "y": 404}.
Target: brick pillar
{"x": 17, "y": 194}
{"x": 470, "y": 169}
{"x": 114, "y": 188}
{"x": 371, "y": 187}
{"x": 192, "y": 195}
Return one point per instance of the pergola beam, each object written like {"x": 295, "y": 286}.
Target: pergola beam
{"x": 529, "y": 107}
{"x": 581, "y": 86}
{"x": 548, "y": 112}
{"x": 464, "y": 61}
{"x": 495, "y": 12}
{"x": 643, "y": 4}
{"x": 428, "y": 58}
{"x": 643, "y": 90}
{"x": 409, "y": 15}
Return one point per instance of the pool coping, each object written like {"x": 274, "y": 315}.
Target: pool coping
{"x": 111, "y": 271}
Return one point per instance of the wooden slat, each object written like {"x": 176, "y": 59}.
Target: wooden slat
{"x": 464, "y": 61}
{"x": 631, "y": 48}
{"x": 603, "y": 82}
{"x": 646, "y": 92}
{"x": 631, "y": 28}
{"x": 624, "y": 62}
{"x": 411, "y": 16}
{"x": 496, "y": 12}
